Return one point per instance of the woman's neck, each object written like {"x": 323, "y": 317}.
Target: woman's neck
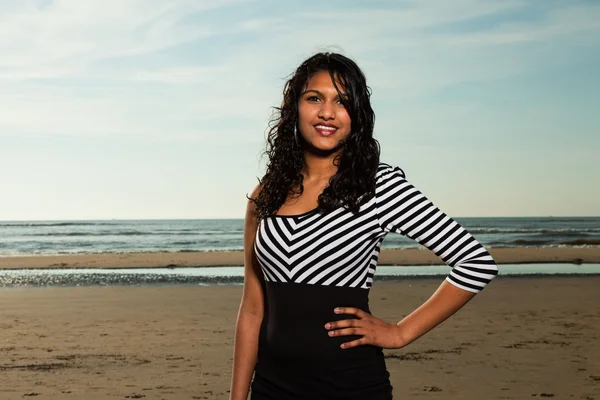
{"x": 318, "y": 168}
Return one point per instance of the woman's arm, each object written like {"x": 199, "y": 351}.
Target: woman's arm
{"x": 374, "y": 331}
{"x": 250, "y": 313}
{"x": 403, "y": 209}
{"x": 446, "y": 300}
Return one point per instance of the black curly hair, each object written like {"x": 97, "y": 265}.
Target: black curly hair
{"x": 354, "y": 181}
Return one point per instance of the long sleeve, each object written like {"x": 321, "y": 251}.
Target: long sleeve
{"x": 403, "y": 209}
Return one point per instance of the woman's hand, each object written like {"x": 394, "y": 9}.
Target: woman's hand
{"x": 373, "y": 330}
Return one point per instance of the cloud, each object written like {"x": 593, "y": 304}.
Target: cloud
{"x": 65, "y": 36}
{"x": 186, "y": 70}
{"x": 177, "y": 76}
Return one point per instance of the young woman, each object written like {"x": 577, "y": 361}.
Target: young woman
{"x": 312, "y": 235}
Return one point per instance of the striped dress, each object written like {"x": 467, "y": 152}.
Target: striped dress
{"x": 313, "y": 262}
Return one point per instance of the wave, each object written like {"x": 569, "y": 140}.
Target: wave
{"x": 4, "y": 254}
{"x": 129, "y": 233}
{"x": 557, "y": 231}
{"x": 547, "y": 220}
{"x": 545, "y": 243}
{"x": 527, "y": 242}
{"x": 43, "y": 224}
{"x": 222, "y": 234}
{"x": 195, "y": 232}
{"x": 580, "y": 242}
{"x": 48, "y": 251}
{"x": 55, "y": 234}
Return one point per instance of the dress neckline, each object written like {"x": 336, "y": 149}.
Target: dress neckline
{"x": 296, "y": 215}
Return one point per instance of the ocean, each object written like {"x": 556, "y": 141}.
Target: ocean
{"x": 211, "y": 276}
{"x": 27, "y": 238}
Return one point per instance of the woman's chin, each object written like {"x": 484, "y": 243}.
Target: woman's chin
{"x": 319, "y": 147}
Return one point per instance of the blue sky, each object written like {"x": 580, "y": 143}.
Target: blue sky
{"x": 151, "y": 109}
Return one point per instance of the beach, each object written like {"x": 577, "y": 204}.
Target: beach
{"x": 422, "y": 256}
{"x": 519, "y": 338}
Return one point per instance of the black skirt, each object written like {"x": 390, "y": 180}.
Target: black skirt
{"x": 273, "y": 381}
{"x": 298, "y": 360}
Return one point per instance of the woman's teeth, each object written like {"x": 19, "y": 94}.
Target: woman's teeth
{"x": 325, "y": 130}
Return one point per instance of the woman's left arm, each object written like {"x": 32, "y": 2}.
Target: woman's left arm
{"x": 403, "y": 209}
{"x": 446, "y": 300}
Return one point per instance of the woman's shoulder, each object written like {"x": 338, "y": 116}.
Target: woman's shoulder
{"x": 256, "y": 191}
{"x": 387, "y": 170}
{"x": 251, "y": 205}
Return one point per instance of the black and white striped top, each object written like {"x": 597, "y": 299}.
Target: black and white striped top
{"x": 342, "y": 249}
{"x": 314, "y": 262}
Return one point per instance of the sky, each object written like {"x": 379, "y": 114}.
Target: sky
{"x": 149, "y": 109}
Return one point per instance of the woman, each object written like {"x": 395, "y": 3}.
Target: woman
{"x": 312, "y": 235}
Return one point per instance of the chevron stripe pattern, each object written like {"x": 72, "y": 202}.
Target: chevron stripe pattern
{"x": 342, "y": 249}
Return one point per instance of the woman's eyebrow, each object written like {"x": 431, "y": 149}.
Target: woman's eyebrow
{"x": 312, "y": 90}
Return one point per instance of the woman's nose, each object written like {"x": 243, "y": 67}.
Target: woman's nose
{"x": 327, "y": 111}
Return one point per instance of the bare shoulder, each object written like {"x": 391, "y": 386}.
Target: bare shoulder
{"x": 256, "y": 191}
{"x": 253, "y": 196}
{"x": 251, "y": 212}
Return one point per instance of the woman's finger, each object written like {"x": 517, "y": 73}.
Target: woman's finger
{"x": 342, "y": 323}
{"x": 358, "y": 342}
{"x": 351, "y": 310}
{"x": 347, "y": 331}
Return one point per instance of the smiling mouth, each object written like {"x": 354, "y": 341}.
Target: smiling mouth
{"x": 325, "y": 130}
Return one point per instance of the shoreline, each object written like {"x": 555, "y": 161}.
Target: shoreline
{"x": 388, "y": 257}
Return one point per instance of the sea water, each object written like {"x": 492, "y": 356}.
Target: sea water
{"x": 27, "y": 238}
{"x": 234, "y": 275}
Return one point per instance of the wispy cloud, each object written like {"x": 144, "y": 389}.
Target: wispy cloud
{"x": 139, "y": 67}
{"x": 64, "y": 37}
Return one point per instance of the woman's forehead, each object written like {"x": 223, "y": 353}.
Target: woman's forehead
{"x": 322, "y": 80}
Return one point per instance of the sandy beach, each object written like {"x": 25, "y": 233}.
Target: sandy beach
{"x": 229, "y": 258}
{"x": 519, "y": 338}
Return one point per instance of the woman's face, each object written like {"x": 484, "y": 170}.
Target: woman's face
{"x": 323, "y": 120}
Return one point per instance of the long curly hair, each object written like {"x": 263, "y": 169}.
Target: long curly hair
{"x": 354, "y": 182}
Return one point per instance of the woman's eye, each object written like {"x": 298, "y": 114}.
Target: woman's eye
{"x": 316, "y": 98}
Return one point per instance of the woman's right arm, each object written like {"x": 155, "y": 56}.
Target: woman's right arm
{"x": 250, "y": 313}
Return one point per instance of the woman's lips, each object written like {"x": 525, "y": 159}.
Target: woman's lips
{"x": 325, "y": 130}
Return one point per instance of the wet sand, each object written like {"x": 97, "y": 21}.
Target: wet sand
{"x": 230, "y": 258}
{"x": 520, "y": 338}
